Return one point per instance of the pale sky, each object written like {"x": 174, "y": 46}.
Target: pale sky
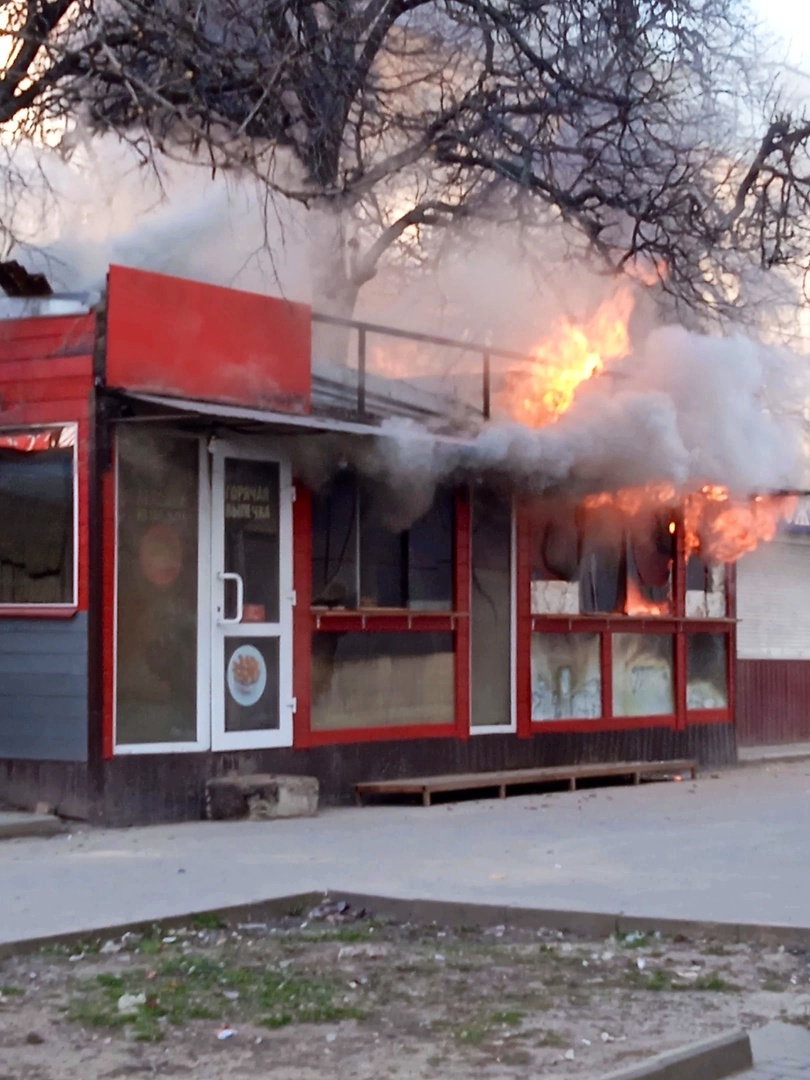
{"x": 791, "y": 20}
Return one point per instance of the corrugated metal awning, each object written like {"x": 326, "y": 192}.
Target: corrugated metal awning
{"x": 282, "y": 421}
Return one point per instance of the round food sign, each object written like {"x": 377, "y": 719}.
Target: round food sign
{"x": 247, "y": 675}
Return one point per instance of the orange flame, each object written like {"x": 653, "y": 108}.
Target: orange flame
{"x": 636, "y": 604}
{"x": 577, "y": 353}
{"x": 724, "y": 529}
{"x": 716, "y": 526}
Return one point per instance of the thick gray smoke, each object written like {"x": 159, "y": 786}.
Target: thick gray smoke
{"x": 685, "y": 410}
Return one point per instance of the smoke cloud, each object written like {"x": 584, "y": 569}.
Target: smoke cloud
{"x": 684, "y": 410}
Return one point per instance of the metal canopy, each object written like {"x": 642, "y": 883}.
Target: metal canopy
{"x": 279, "y": 421}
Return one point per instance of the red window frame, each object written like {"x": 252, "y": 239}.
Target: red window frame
{"x": 677, "y": 625}
{"x": 308, "y": 621}
{"x": 37, "y": 419}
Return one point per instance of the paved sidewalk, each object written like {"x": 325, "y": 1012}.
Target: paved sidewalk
{"x": 733, "y": 849}
{"x": 782, "y": 752}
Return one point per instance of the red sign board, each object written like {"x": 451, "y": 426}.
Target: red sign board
{"x": 181, "y": 338}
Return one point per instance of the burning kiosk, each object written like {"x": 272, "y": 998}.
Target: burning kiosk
{"x": 214, "y": 559}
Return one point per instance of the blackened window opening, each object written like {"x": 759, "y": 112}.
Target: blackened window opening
{"x": 616, "y": 566}
{"x": 37, "y": 510}
{"x": 361, "y": 560}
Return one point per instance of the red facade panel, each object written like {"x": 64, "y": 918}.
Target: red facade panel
{"x": 181, "y": 338}
{"x": 46, "y": 336}
{"x": 46, "y": 377}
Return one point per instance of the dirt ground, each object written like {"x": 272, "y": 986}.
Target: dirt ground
{"x": 333, "y": 992}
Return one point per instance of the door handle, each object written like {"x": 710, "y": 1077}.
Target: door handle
{"x": 240, "y": 598}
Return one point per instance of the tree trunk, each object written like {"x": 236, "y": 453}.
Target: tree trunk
{"x": 334, "y": 293}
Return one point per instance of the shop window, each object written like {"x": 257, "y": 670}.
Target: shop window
{"x": 491, "y": 612}
{"x": 566, "y": 677}
{"x": 705, "y": 589}
{"x": 603, "y": 570}
{"x": 556, "y": 556}
{"x": 334, "y": 544}
{"x": 707, "y": 671}
{"x": 156, "y": 680}
{"x": 376, "y": 680}
{"x": 359, "y": 560}
{"x": 650, "y": 557}
{"x": 643, "y": 683}
{"x": 594, "y": 562}
{"x": 38, "y": 514}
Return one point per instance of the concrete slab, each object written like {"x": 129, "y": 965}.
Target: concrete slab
{"x": 781, "y": 1052}
{"x": 731, "y": 849}
{"x": 16, "y": 825}
{"x": 709, "y": 1059}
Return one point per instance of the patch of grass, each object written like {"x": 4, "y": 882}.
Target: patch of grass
{"x": 477, "y": 1029}
{"x": 292, "y": 998}
{"x": 773, "y": 986}
{"x": 716, "y": 950}
{"x": 91, "y": 1014}
{"x": 658, "y": 981}
{"x": 473, "y": 1034}
{"x": 198, "y": 987}
{"x": 149, "y": 946}
{"x": 75, "y": 948}
{"x": 635, "y": 941}
{"x": 509, "y": 1018}
{"x": 11, "y": 991}
{"x": 208, "y": 921}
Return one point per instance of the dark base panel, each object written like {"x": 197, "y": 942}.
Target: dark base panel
{"x": 171, "y": 787}
{"x": 773, "y": 701}
{"x": 62, "y": 784}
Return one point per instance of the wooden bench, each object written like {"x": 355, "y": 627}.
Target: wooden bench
{"x": 426, "y": 786}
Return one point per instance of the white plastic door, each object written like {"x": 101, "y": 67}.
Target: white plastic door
{"x": 252, "y": 599}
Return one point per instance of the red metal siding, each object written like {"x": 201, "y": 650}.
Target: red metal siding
{"x": 181, "y": 338}
{"x": 46, "y": 377}
{"x": 46, "y": 337}
{"x": 772, "y": 701}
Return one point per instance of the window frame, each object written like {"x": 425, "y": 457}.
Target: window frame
{"x": 309, "y": 619}
{"x": 413, "y": 614}
{"x": 677, "y": 624}
{"x": 202, "y": 742}
{"x": 68, "y": 608}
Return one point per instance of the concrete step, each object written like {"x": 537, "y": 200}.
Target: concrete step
{"x": 17, "y": 824}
